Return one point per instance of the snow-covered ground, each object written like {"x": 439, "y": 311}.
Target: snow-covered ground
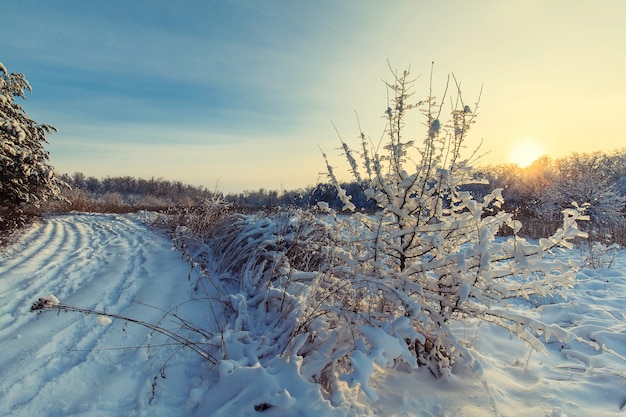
{"x": 69, "y": 364}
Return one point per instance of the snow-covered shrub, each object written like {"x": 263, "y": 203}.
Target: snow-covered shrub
{"x": 191, "y": 228}
{"x": 199, "y": 221}
{"x": 430, "y": 254}
{"x": 272, "y": 268}
{"x": 589, "y": 178}
{"x": 601, "y": 255}
{"x": 26, "y": 176}
{"x": 270, "y": 287}
{"x": 538, "y": 193}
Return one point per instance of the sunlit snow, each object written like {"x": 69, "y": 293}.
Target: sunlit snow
{"x": 61, "y": 364}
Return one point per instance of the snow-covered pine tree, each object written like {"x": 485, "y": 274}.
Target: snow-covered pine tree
{"x": 26, "y": 175}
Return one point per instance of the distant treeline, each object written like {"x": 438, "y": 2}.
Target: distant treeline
{"x": 84, "y": 192}
{"x": 536, "y": 194}
{"x": 90, "y": 193}
{"x": 545, "y": 186}
{"x": 541, "y": 191}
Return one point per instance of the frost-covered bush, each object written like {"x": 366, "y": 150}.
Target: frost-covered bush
{"x": 272, "y": 267}
{"x": 26, "y": 176}
{"x": 590, "y": 178}
{"x": 430, "y": 254}
{"x": 601, "y": 255}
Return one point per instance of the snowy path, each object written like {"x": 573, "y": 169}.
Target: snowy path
{"x": 67, "y": 365}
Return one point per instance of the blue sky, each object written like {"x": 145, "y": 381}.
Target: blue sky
{"x": 239, "y": 94}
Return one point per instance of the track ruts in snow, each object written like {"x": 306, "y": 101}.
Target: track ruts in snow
{"x": 100, "y": 262}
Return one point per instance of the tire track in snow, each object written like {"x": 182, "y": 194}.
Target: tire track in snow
{"x": 102, "y": 262}
{"x": 32, "y": 241}
{"x": 56, "y": 250}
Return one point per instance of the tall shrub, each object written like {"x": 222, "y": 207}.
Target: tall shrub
{"x": 430, "y": 254}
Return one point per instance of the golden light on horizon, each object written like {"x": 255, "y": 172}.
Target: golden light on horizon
{"x": 525, "y": 153}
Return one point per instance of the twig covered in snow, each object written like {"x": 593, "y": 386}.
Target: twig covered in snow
{"x": 51, "y": 303}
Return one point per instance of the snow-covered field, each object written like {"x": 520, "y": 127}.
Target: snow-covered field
{"x": 69, "y": 364}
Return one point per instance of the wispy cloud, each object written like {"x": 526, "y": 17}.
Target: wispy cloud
{"x": 185, "y": 56}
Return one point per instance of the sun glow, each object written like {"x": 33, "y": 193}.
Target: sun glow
{"x": 525, "y": 153}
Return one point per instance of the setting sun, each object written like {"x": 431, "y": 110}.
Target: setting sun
{"x": 525, "y": 153}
